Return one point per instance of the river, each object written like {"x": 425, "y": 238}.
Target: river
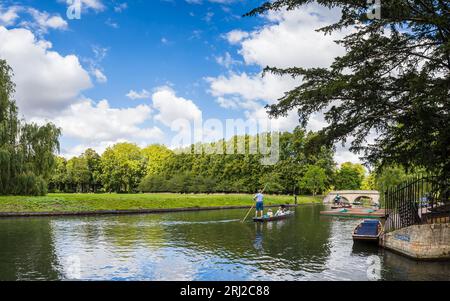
{"x": 205, "y": 245}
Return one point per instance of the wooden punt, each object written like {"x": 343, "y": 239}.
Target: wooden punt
{"x": 341, "y": 206}
{"x": 355, "y": 213}
{"x": 273, "y": 218}
{"x": 368, "y": 230}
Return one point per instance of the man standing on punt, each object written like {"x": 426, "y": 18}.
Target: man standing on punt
{"x": 259, "y": 198}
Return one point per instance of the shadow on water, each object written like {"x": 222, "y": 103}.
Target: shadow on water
{"x": 400, "y": 267}
{"x": 204, "y": 245}
{"x": 365, "y": 249}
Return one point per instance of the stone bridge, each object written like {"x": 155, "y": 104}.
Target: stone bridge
{"x": 353, "y": 195}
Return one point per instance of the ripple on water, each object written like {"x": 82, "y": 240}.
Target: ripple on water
{"x": 211, "y": 245}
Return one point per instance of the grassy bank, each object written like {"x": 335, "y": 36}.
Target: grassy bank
{"x": 97, "y": 202}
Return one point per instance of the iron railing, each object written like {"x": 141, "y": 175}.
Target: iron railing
{"x": 417, "y": 201}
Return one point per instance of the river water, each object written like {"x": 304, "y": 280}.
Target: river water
{"x": 206, "y": 245}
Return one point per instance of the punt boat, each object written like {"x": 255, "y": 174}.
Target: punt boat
{"x": 273, "y": 218}
{"x": 369, "y": 230}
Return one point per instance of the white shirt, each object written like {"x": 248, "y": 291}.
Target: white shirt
{"x": 259, "y": 197}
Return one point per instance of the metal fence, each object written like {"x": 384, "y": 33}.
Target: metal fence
{"x": 417, "y": 201}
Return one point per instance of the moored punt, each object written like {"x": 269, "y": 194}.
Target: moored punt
{"x": 273, "y": 218}
{"x": 356, "y": 212}
{"x": 341, "y": 206}
{"x": 368, "y": 230}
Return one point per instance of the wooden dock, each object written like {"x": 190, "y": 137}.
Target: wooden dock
{"x": 355, "y": 212}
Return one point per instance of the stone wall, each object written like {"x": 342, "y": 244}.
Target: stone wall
{"x": 425, "y": 242}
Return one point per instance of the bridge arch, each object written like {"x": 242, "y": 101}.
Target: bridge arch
{"x": 353, "y": 195}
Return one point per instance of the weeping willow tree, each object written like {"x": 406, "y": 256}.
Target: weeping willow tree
{"x": 26, "y": 150}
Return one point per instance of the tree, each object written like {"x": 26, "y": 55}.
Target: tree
{"x": 123, "y": 166}
{"x": 78, "y": 174}
{"x": 26, "y": 150}
{"x": 391, "y": 176}
{"x": 156, "y": 156}
{"x": 153, "y": 183}
{"x": 243, "y": 173}
{"x": 350, "y": 176}
{"x": 93, "y": 164}
{"x": 393, "y": 79}
{"x": 368, "y": 182}
{"x": 272, "y": 182}
{"x": 314, "y": 179}
{"x": 58, "y": 181}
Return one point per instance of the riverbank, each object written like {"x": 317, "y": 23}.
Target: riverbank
{"x": 83, "y": 204}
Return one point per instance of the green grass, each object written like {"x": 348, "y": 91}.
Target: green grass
{"x": 96, "y": 202}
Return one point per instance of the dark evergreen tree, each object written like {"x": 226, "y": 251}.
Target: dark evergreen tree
{"x": 393, "y": 79}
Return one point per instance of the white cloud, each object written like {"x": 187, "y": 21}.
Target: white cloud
{"x": 46, "y": 81}
{"x": 138, "y": 95}
{"x": 343, "y": 155}
{"x": 212, "y": 1}
{"x": 252, "y": 93}
{"x": 236, "y": 36}
{"x": 250, "y": 87}
{"x": 94, "y": 4}
{"x": 226, "y": 60}
{"x": 90, "y": 122}
{"x": 208, "y": 17}
{"x": 228, "y": 103}
{"x": 100, "y": 76}
{"x": 98, "y": 146}
{"x": 120, "y": 7}
{"x": 289, "y": 39}
{"x": 111, "y": 23}
{"x": 40, "y": 22}
{"x": 44, "y": 21}
{"x": 99, "y": 52}
{"x": 9, "y": 16}
{"x": 172, "y": 108}
{"x": 94, "y": 63}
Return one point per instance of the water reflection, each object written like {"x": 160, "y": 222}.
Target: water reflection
{"x": 211, "y": 245}
{"x": 27, "y": 251}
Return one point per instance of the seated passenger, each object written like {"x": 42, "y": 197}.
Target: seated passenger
{"x": 280, "y": 211}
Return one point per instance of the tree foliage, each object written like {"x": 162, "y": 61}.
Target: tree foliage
{"x": 26, "y": 150}
{"x": 242, "y": 173}
{"x": 123, "y": 166}
{"x": 391, "y": 176}
{"x": 394, "y": 79}
{"x": 350, "y": 176}
{"x": 314, "y": 179}
{"x": 156, "y": 155}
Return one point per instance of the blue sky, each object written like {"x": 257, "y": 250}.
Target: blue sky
{"x": 127, "y": 69}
